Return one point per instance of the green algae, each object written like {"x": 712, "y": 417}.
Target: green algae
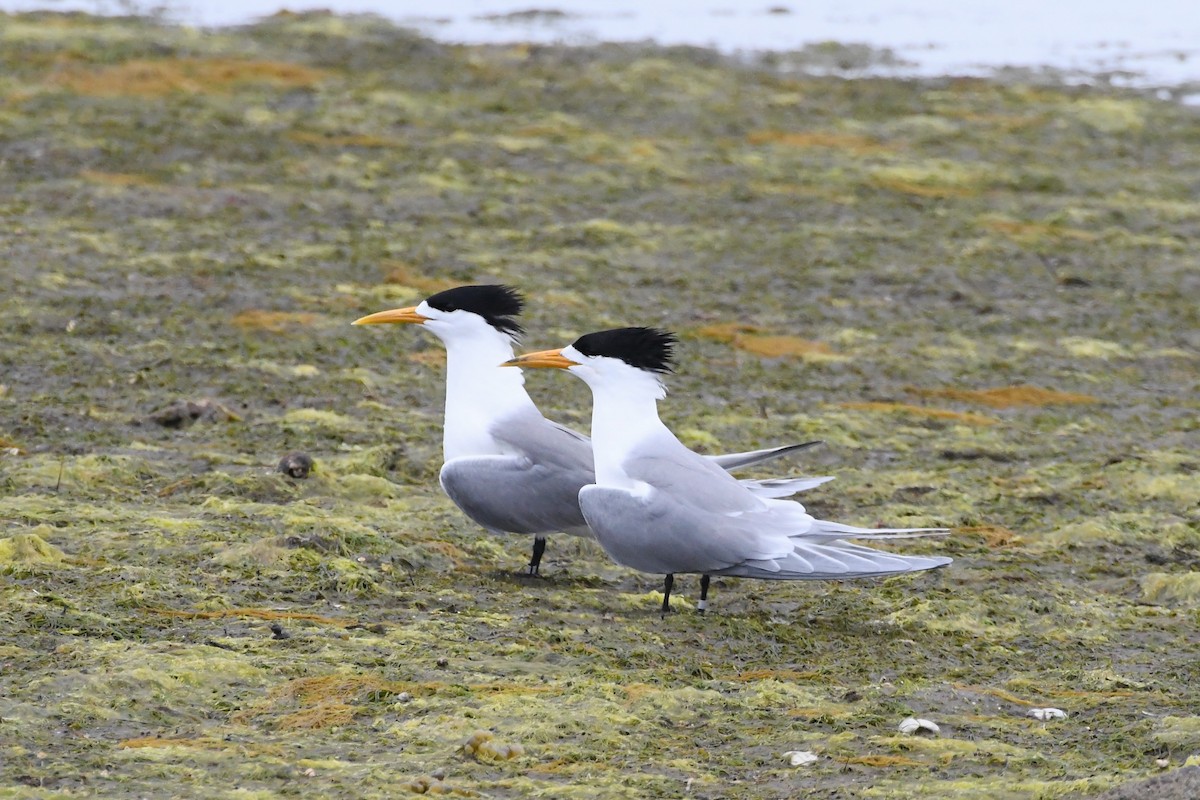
{"x": 1172, "y": 589}
{"x": 26, "y": 549}
{"x": 889, "y": 267}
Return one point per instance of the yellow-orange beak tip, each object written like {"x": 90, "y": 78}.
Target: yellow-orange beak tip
{"x": 543, "y": 359}
{"x": 407, "y": 316}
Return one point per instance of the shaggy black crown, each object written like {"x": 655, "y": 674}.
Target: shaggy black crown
{"x": 645, "y": 348}
{"x": 495, "y": 303}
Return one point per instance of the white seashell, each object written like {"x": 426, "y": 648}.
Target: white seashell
{"x": 912, "y": 725}
{"x": 799, "y": 758}
{"x": 1045, "y": 714}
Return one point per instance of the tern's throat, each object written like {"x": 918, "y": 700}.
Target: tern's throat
{"x": 479, "y": 392}
{"x": 623, "y": 417}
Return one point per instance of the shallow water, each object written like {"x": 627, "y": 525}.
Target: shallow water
{"x": 1149, "y": 44}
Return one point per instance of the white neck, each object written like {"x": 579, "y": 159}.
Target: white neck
{"x": 478, "y": 393}
{"x": 624, "y": 414}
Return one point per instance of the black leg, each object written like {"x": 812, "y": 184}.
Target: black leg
{"x": 668, "y": 582}
{"x": 702, "y": 606}
{"x": 539, "y": 547}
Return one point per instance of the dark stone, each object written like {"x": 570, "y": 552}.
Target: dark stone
{"x": 296, "y": 465}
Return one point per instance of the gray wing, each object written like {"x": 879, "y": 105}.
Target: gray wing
{"x": 834, "y": 560}
{"x": 738, "y": 460}
{"x": 546, "y": 443}
{"x": 512, "y": 494}
{"x": 570, "y": 432}
{"x": 532, "y": 489}
{"x": 693, "y": 480}
{"x": 819, "y": 549}
{"x": 653, "y": 532}
{"x": 773, "y": 487}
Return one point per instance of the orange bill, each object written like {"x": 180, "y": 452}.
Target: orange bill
{"x": 397, "y": 315}
{"x": 545, "y": 359}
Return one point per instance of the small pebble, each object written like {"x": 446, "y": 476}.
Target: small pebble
{"x": 1045, "y": 714}
{"x": 419, "y": 786}
{"x": 475, "y": 741}
{"x": 482, "y": 743}
{"x": 183, "y": 413}
{"x": 800, "y": 758}
{"x": 915, "y": 725}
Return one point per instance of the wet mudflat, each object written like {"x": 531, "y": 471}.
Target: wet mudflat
{"x": 980, "y": 295}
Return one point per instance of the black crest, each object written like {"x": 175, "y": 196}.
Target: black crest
{"x": 645, "y": 348}
{"x": 495, "y": 303}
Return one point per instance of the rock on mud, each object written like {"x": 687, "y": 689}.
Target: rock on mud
{"x": 183, "y": 413}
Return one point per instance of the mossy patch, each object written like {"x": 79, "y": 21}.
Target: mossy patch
{"x": 1182, "y": 487}
{"x": 1031, "y": 233}
{"x": 119, "y": 179}
{"x": 322, "y": 702}
{"x": 1009, "y": 396}
{"x": 1084, "y": 347}
{"x": 991, "y": 535}
{"x": 725, "y": 331}
{"x": 257, "y": 613}
{"x": 1172, "y": 589}
{"x": 156, "y": 78}
{"x": 697, "y": 439}
{"x": 319, "y": 418}
{"x": 806, "y": 139}
{"x": 785, "y": 346}
{"x": 320, "y": 139}
{"x": 433, "y": 357}
{"x": 936, "y": 178}
{"x": 1179, "y": 733}
{"x": 272, "y": 321}
{"x": 944, "y": 749}
{"x": 755, "y": 340}
{"x": 404, "y": 274}
{"x": 1110, "y": 115}
{"x": 921, "y": 411}
{"x": 29, "y": 548}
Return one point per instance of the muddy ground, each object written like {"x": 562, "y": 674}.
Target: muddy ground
{"x": 981, "y": 296}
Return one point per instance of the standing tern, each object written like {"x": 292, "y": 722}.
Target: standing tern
{"x": 658, "y": 507}
{"x": 506, "y": 466}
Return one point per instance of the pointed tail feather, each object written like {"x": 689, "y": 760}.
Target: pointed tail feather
{"x": 834, "y": 561}
{"x": 838, "y": 530}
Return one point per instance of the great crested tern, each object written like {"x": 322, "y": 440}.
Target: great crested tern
{"x": 506, "y": 466}
{"x": 658, "y": 507}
